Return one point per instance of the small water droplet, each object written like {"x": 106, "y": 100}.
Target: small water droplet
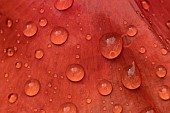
{"x": 42, "y": 10}
{"x": 9, "y": 23}
{"x": 88, "y": 101}
{"x": 18, "y": 65}
{"x": 78, "y": 46}
{"x": 164, "y": 92}
{"x": 142, "y": 50}
{"x": 104, "y": 108}
{"x": 75, "y": 72}
{"x": 168, "y": 24}
{"x": 145, "y": 4}
{"x": 131, "y": 78}
{"x": 117, "y": 108}
{"x": 12, "y": 98}
{"x": 164, "y": 51}
{"x": 148, "y": 110}
{"x": 30, "y": 29}
{"x": 132, "y": 30}
{"x": 39, "y": 54}
{"x": 88, "y": 37}
{"x": 32, "y": 87}
{"x": 63, "y": 4}
{"x": 67, "y": 107}
{"x": 43, "y": 22}
{"x": 104, "y": 87}
{"x": 42, "y": 111}
{"x": 10, "y": 51}
{"x": 59, "y": 35}
{"x": 110, "y": 45}
{"x": 69, "y": 96}
{"x": 161, "y": 71}
{"x": 6, "y": 75}
{"x": 77, "y": 56}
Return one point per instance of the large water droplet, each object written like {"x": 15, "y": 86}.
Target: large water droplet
{"x": 9, "y": 23}
{"x": 43, "y": 22}
{"x": 117, "y": 108}
{"x": 32, "y": 87}
{"x": 30, "y": 29}
{"x": 161, "y": 71}
{"x": 67, "y": 107}
{"x": 63, "y": 4}
{"x": 164, "y": 92}
{"x": 39, "y": 54}
{"x": 75, "y": 72}
{"x": 110, "y": 45}
{"x": 59, "y": 35}
{"x": 131, "y": 78}
{"x": 145, "y": 4}
{"x": 104, "y": 87}
{"x": 132, "y": 30}
{"x": 12, "y": 98}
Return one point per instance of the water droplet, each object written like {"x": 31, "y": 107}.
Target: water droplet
{"x": 78, "y": 46}
{"x": 30, "y": 29}
{"x": 88, "y": 37}
{"x": 131, "y": 78}
{"x": 132, "y": 31}
{"x": 77, "y": 56}
{"x": 10, "y": 51}
{"x": 88, "y": 101}
{"x": 9, "y": 23}
{"x": 67, "y": 107}
{"x": 69, "y": 96}
{"x": 148, "y": 110}
{"x": 75, "y": 72}
{"x": 104, "y": 87}
{"x": 63, "y": 4}
{"x": 18, "y": 65}
{"x": 142, "y": 50}
{"x": 145, "y": 4}
{"x": 42, "y": 10}
{"x": 117, "y": 108}
{"x": 164, "y": 92}
{"x": 43, "y": 22}
{"x": 12, "y": 98}
{"x": 164, "y": 51}
{"x": 39, "y": 54}
{"x": 6, "y": 75}
{"x": 59, "y": 35}
{"x": 161, "y": 71}
{"x": 111, "y": 45}
{"x": 32, "y": 87}
{"x": 168, "y": 24}
{"x": 42, "y": 111}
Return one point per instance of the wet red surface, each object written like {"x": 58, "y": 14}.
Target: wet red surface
{"x": 84, "y": 19}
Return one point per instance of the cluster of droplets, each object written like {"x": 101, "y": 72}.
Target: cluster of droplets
{"x": 111, "y": 45}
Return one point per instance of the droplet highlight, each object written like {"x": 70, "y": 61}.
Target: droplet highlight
{"x": 9, "y": 23}
{"x": 111, "y": 45}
